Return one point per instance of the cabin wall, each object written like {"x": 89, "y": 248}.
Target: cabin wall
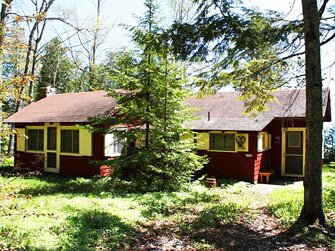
{"x": 275, "y": 129}
{"x": 70, "y": 165}
{"x": 82, "y": 166}
{"x": 238, "y": 165}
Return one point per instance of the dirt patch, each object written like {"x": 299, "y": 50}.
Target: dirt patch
{"x": 257, "y": 230}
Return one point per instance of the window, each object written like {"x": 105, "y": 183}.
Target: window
{"x": 35, "y": 139}
{"x": 113, "y": 146}
{"x": 294, "y": 139}
{"x": 222, "y": 141}
{"x": 52, "y": 138}
{"x": 70, "y": 141}
{"x": 263, "y": 141}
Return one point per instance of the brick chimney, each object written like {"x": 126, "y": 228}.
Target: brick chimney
{"x": 47, "y": 91}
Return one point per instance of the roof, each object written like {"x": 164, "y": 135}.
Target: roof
{"x": 225, "y": 111}
{"x": 224, "y": 108}
{"x": 68, "y": 107}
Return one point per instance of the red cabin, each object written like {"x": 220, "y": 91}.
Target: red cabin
{"x": 49, "y": 136}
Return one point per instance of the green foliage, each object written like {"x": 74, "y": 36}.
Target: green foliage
{"x": 7, "y": 162}
{"x": 220, "y": 214}
{"x": 287, "y": 203}
{"x": 167, "y": 203}
{"x": 118, "y": 67}
{"x": 242, "y": 47}
{"x": 57, "y": 70}
{"x": 50, "y": 212}
{"x": 151, "y": 103}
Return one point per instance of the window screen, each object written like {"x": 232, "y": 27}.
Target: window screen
{"x": 70, "y": 141}
{"x": 35, "y": 139}
{"x": 52, "y": 138}
{"x": 225, "y": 141}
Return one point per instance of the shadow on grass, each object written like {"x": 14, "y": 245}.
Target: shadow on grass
{"x": 49, "y": 184}
{"x": 228, "y": 227}
{"x": 216, "y": 228}
{"x": 94, "y": 229}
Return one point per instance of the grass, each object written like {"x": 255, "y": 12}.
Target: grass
{"x": 49, "y": 212}
{"x": 287, "y": 203}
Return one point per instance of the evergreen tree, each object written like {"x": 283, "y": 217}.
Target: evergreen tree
{"x": 57, "y": 69}
{"x": 254, "y": 51}
{"x": 151, "y": 104}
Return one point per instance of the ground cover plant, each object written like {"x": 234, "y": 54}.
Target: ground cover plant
{"x": 49, "y": 212}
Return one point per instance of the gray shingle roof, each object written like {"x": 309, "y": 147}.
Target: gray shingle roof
{"x": 69, "y": 107}
{"x": 226, "y": 111}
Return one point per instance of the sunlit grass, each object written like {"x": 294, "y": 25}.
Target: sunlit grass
{"x": 50, "y": 212}
{"x": 286, "y": 204}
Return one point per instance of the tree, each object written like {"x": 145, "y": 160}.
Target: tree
{"x": 90, "y": 37}
{"x": 5, "y": 6}
{"x": 183, "y": 10}
{"x": 56, "y": 68}
{"x": 313, "y": 207}
{"x": 242, "y": 40}
{"x": 151, "y": 104}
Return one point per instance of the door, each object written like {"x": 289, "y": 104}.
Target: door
{"x": 293, "y": 161}
{"x": 52, "y": 156}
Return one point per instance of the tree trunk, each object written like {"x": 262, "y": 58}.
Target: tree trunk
{"x": 6, "y": 5}
{"x": 313, "y": 208}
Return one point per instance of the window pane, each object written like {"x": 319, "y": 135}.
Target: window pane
{"x": 294, "y": 139}
{"x": 51, "y": 160}
{"x": 75, "y": 141}
{"x": 66, "y": 138}
{"x": 229, "y": 142}
{"x": 35, "y": 140}
{"x": 113, "y": 146}
{"x": 52, "y": 138}
{"x": 225, "y": 142}
{"x": 70, "y": 141}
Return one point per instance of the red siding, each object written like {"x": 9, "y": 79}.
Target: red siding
{"x": 82, "y": 166}
{"x": 78, "y": 166}
{"x": 29, "y": 161}
{"x": 233, "y": 165}
{"x": 275, "y": 128}
{"x": 261, "y": 163}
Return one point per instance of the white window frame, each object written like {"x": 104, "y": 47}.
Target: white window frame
{"x": 111, "y": 145}
{"x": 263, "y": 141}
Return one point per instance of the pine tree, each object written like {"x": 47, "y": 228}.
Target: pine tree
{"x": 151, "y": 104}
{"x": 56, "y": 70}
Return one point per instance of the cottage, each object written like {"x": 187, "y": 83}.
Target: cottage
{"x": 241, "y": 146}
{"x": 238, "y": 146}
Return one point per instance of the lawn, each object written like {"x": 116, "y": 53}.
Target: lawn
{"x": 48, "y": 212}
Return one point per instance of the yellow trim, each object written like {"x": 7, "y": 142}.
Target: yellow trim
{"x": 44, "y": 138}
{"x": 187, "y": 137}
{"x": 292, "y": 129}
{"x": 20, "y": 139}
{"x": 85, "y": 143}
{"x": 265, "y": 137}
{"x": 203, "y": 141}
{"x": 224, "y": 151}
{"x": 245, "y": 146}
